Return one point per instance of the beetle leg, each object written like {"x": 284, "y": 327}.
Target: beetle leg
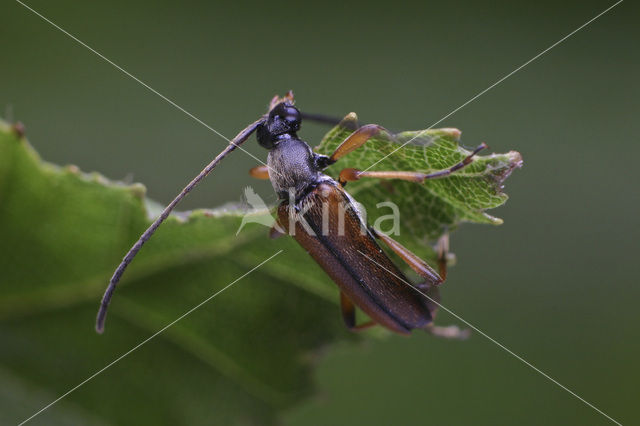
{"x": 259, "y": 172}
{"x": 465, "y": 162}
{"x": 349, "y": 315}
{"x": 355, "y": 141}
{"x": 276, "y": 231}
{"x": 442, "y": 247}
{"x": 448, "y": 332}
{"x": 348, "y": 175}
{"x": 431, "y": 297}
{"x": 421, "y": 267}
{"x": 432, "y": 302}
{"x": 429, "y": 288}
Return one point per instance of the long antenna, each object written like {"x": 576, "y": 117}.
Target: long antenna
{"x": 237, "y": 141}
{"x": 321, "y": 118}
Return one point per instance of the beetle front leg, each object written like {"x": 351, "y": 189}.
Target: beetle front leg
{"x": 349, "y": 315}
{"x": 355, "y": 140}
{"x": 259, "y": 172}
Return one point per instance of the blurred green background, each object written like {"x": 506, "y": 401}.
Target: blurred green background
{"x": 557, "y": 283}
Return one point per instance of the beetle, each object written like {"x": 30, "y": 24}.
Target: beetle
{"x": 310, "y": 202}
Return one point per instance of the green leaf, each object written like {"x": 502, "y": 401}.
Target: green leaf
{"x": 242, "y": 358}
{"x": 437, "y": 206}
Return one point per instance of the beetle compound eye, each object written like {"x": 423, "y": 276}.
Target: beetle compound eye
{"x": 284, "y": 118}
{"x": 291, "y": 115}
{"x": 286, "y": 112}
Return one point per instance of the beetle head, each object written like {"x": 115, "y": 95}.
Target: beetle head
{"x": 283, "y": 119}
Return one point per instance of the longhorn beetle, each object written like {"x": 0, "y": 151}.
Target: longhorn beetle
{"x": 366, "y": 276}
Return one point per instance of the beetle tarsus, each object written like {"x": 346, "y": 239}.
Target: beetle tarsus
{"x": 442, "y": 248}
{"x": 451, "y": 332}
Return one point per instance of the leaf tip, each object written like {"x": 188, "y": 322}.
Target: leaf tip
{"x": 350, "y": 121}
{"x": 516, "y": 158}
{"x": 138, "y": 190}
{"x": 496, "y": 220}
{"x": 515, "y": 162}
{"x": 72, "y": 168}
{"x": 506, "y": 164}
{"x": 99, "y": 178}
{"x": 492, "y": 220}
{"x": 18, "y": 129}
{"x": 452, "y": 132}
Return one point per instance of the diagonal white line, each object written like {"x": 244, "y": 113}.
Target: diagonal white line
{"x": 148, "y": 339}
{"x": 500, "y": 345}
{"x": 127, "y": 73}
{"x": 229, "y": 285}
{"x": 499, "y": 81}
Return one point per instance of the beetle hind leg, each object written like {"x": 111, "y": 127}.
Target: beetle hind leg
{"x": 349, "y": 315}
{"x": 442, "y": 248}
{"x": 432, "y": 302}
{"x": 276, "y": 231}
{"x": 452, "y": 332}
{"x": 421, "y": 267}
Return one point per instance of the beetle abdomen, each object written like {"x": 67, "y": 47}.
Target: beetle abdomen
{"x": 330, "y": 229}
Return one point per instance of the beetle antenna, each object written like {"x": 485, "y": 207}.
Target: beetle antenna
{"x": 321, "y": 118}
{"x": 237, "y": 141}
